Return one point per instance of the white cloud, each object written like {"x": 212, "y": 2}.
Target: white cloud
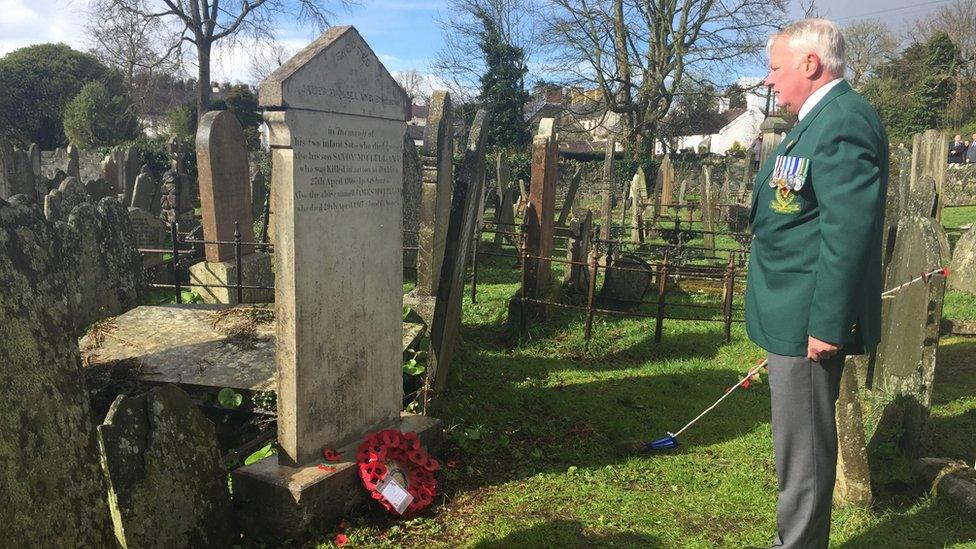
{"x": 26, "y": 22}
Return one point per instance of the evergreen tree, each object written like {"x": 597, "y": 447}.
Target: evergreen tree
{"x": 503, "y": 88}
{"x": 736, "y": 96}
{"x": 935, "y": 85}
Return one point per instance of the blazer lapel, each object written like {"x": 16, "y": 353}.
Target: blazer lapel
{"x": 792, "y": 138}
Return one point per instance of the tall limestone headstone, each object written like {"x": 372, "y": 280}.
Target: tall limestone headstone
{"x": 435, "y": 199}
{"x": 904, "y": 365}
{"x": 337, "y": 120}
{"x": 166, "y": 485}
{"x": 225, "y": 194}
{"x": 542, "y": 196}
{"x": 52, "y": 489}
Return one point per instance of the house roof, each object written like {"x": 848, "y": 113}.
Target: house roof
{"x": 418, "y": 111}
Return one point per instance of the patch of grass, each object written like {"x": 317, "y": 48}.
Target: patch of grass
{"x": 958, "y": 305}
{"x": 533, "y": 425}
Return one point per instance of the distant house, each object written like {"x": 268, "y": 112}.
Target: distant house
{"x": 741, "y": 126}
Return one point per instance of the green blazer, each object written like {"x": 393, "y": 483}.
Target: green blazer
{"x": 815, "y": 266}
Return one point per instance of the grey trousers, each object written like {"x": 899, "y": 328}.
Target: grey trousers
{"x": 804, "y": 397}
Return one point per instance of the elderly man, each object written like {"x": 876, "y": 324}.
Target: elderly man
{"x": 957, "y": 152}
{"x": 814, "y": 284}
{"x": 971, "y": 152}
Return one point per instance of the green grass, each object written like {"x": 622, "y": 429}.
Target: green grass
{"x": 532, "y": 425}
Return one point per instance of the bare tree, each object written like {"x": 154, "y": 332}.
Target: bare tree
{"x": 870, "y": 43}
{"x": 637, "y": 53}
{"x": 460, "y": 61}
{"x": 203, "y": 23}
{"x": 810, "y": 9}
{"x": 415, "y": 83}
{"x": 122, "y": 39}
{"x": 266, "y": 57}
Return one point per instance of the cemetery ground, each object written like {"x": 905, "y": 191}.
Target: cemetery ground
{"x": 534, "y": 424}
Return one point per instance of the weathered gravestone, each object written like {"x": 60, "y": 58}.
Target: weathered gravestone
{"x": 259, "y": 193}
{"x": 542, "y": 196}
{"x": 337, "y": 120}
{"x": 165, "y": 483}
{"x": 682, "y": 190}
{"x": 8, "y": 169}
{"x": 772, "y": 130}
{"x": 708, "y": 212}
{"x": 34, "y": 153}
{"x": 606, "y": 190}
{"x": 435, "y": 200}
{"x": 225, "y": 195}
{"x": 98, "y": 189}
{"x": 52, "y": 489}
{"x": 505, "y": 214}
{"x": 626, "y": 281}
{"x": 964, "y": 263}
{"x": 576, "y": 275}
{"x": 638, "y": 198}
{"x": 665, "y": 186}
{"x": 108, "y": 278}
{"x": 461, "y": 229}
{"x": 928, "y": 174}
{"x": 149, "y": 232}
{"x": 567, "y": 208}
{"x": 74, "y": 163}
{"x": 852, "y": 484}
{"x": 897, "y": 193}
{"x": 412, "y": 190}
{"x": 144, "y": 194}
{"x": 25, "y": 181}
{"x": 904, "y": 365}
{"x": 225, "y": 198}
{"x": 130, "y": 163}
{"x": 59, "y": 203}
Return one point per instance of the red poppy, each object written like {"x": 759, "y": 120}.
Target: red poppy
{"x": 745, "y": 383}
{"x": 451, "y": 464}
{"x": 342, "y": 525}
{"x": 331, "y": 455}
{"x": 340, "y": 540}
{"x": 327, "y": 468}
{"x": 945, "y": 272}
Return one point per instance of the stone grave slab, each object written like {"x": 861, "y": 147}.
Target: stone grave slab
{"x": 198, "y": 345}
{"x": 437, "y": 160}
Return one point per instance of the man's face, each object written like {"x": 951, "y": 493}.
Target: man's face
{"x": 958, "y": 138}
{"x": 974, "y": 138}
{"x": 791, "y": 75}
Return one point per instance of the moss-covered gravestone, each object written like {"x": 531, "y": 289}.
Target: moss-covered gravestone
{"x": 52, "y": 493}
{"x": 904, "y": 365}
{"x": 166, "y": 486}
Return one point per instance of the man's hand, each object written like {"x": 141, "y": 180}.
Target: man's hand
{"x": 820, "y": 350}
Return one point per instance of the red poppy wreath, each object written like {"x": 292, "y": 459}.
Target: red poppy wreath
{"x": 390, "y": 452}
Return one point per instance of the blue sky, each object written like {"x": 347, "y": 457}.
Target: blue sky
{"x": 404, "y": 33}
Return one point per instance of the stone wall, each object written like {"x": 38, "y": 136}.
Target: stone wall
{"x": 960, "y": 184}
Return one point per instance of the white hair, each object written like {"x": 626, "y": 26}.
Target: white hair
{"x": 819, "y": 36}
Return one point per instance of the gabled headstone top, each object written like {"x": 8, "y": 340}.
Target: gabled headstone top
{"x": 337, "y": 81}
